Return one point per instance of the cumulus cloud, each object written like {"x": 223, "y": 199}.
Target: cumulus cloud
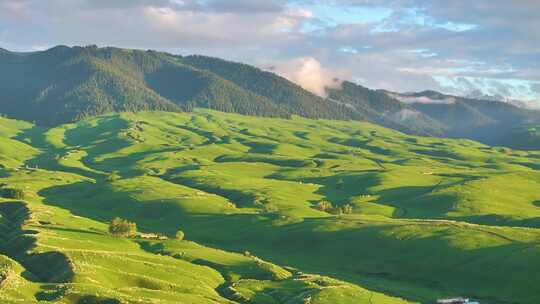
{"x": 221, "y": 31}
{"x": 311, "y": 75}
{"x": 520, "y": 92}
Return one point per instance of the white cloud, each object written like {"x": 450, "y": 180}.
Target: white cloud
{"x": 422, "y": 99}
{"x": 311, "y": 75}
{"x": 492, "y": 88}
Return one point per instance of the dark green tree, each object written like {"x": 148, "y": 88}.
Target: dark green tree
{"x": 179, "y": 235}
{"x": 12, "y": 193}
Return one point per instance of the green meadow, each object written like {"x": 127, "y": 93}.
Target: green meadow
{"x": 410, "y": 219}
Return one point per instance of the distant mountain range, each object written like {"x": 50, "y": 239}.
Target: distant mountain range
{"x": 67, "y": 84}
{"x": 488, "y": 121}
{"x": 528, "y": 104}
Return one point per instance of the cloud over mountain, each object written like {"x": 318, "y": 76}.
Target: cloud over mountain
{"x": 311, "y": 75}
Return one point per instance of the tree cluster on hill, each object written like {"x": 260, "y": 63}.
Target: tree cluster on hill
{"x": 326, "y": 206}
{"x": 122, "y": 227}
{"x": 9, "y": 192}
{"x": 12, "y": 193}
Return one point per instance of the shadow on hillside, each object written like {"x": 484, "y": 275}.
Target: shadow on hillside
{"x": 96, "y": 140}
{"x": 536, "y": 203}
{"x": 498, "y": 220}
{"x": 35, "y": 137}
{"x": 99, "y": 139}
{"x": 439, "y": 153}
{"x": 50, "y": 266}
{"x": 416, "y": 201}
{"x": 240, "y": 198}
{"x": 338, "y": 189}
{"x": 73, "y": 230}
{"x": 246, "y": 132}
{"x": 97, "y": 201}
{"x": 3, "y": 173}
{"x": 533, "y": 166}
{"x": 363, "y": 143}
{"x": 210, "y": 137}
{"x": 48, "y": 158}
{"x": 257, "y": 147}
{"x": 125, "y": 164}
{"x": 327, "y": 251}
{"x": 268, "y": 159}
{"x": 333, "y": 252}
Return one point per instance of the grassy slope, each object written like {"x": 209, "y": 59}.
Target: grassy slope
{"x": 242, "y": 183}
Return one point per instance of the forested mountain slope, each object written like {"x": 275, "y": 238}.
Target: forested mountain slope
{"x": 66, "y": 84}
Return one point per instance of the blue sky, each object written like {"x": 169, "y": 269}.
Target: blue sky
{"x": 489, "y": 47}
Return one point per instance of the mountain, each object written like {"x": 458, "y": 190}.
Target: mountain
{"x": 66, "y": 84}
{"x": 278, "y": 89}
{"x": 488, "y": 121}
{"x": 525, "y": 137}
{"x": 527, "y": 104}
{"x": 437, "y": 114}
{"x": 380, "y": 108}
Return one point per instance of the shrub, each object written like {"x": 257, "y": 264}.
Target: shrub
{"x": 12, "y": 193}
{"x": 335, "y": 210}
{"x": 179, "y": 235}
{"x": 114, "y": 176}
{"x": 347, "y": 209}
{"x": 323, "y": 206}
{"x": 122, "y": 227}
{"x": 270, "y": 208}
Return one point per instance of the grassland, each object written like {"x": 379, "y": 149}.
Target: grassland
{"x": 430, "y": 217}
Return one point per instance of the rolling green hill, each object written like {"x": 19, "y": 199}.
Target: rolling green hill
{"x": 273, "y": 211}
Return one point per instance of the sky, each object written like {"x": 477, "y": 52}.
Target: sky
{"x": 462, "y": 47}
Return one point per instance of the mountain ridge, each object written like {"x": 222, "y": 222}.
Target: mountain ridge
{"x": 92, "y": 81}
{"x": 489, "y": 121}
{"x": 66, "y": 84}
